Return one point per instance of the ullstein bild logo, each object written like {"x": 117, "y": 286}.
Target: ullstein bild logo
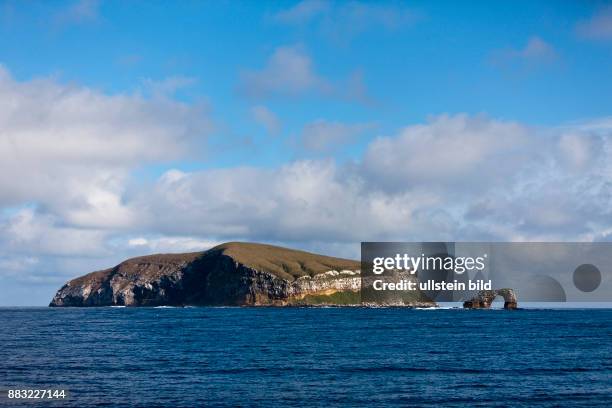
{"x": 413, "y": 272}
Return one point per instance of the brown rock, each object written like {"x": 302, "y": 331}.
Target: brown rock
{"x": 484, "y": 299}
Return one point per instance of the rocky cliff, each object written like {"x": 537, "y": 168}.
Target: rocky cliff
{"x": 229, "y": 274}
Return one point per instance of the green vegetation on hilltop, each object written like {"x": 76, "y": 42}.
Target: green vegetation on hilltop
{"x": 283, "y": 262}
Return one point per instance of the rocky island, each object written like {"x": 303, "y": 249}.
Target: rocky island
{"x": 484, "y": 299}
{"x": 231, "y": 274}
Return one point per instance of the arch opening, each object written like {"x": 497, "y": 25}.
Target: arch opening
{"x": 485, "y": 298}
{"x": 498, "y": 302}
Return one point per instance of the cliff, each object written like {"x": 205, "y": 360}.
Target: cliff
{"x": 229, "y": 274}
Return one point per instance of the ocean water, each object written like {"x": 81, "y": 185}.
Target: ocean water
{"x": 282, "y": 357}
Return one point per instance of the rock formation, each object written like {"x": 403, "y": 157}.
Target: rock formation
{"x": 484, "y": 299}
{"x": 229, "y": 274}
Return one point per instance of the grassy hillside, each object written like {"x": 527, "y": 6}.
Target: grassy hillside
{"x": 283, "y": 262}
{"x": 140, "y": 265}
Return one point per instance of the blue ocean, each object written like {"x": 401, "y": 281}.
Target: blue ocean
{"x": 284, "y": 357}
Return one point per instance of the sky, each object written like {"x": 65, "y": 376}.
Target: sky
{"x": 130, "y": 128}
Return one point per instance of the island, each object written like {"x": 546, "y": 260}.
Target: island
{"x": 484, "y": 299}
{"x": 231, "y": 274}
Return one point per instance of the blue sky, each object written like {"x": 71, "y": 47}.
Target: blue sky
{"x": 138, "y": 127}
{"x": 440, "y": 58}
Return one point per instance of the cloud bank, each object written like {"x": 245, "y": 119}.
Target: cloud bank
{"x": 72, "y": 201}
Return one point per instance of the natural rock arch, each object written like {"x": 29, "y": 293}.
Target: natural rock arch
{"x": 484, "y": 298}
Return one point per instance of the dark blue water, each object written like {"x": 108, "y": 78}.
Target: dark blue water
{"x": 309, "y": 357}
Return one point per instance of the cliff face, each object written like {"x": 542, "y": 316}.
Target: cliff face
{"x": 229, "y": 274}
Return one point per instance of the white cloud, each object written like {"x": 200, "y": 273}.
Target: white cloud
{"x": 302, "y": 201}
{"x": 598, "y": 27}
{"x": 266, "y": 118}
{"x": 138, "y": 242}
{"x": 342, "y": 21}
{"x": 579, "y": 149}
{"x": 170, "y": 244}
{"x": 502, "y": 180}
{"x": 71, "y": 149}
{"x": 70, "y": 203}
{"x": 288, "y": 72}
{"x": 67, "y": 157}
{"x": 17, "y": 263}
{"x": 360, "y": 15}
{"x": 79, "y": 12}
{"x": 455, "y": 177}
{"x": 303, "y": 11}
{"x": 449, "y": 151}
{"x": 537, "y": 48}
{"x": 324, "y": 137}
{"x": 34, "y": 234}
{"x": 535, "y": 51}
{"x": 167, "y": 86}
{"x": 599, "y": 126}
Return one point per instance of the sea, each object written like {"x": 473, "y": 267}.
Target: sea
{"x": 307, "y": 357}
